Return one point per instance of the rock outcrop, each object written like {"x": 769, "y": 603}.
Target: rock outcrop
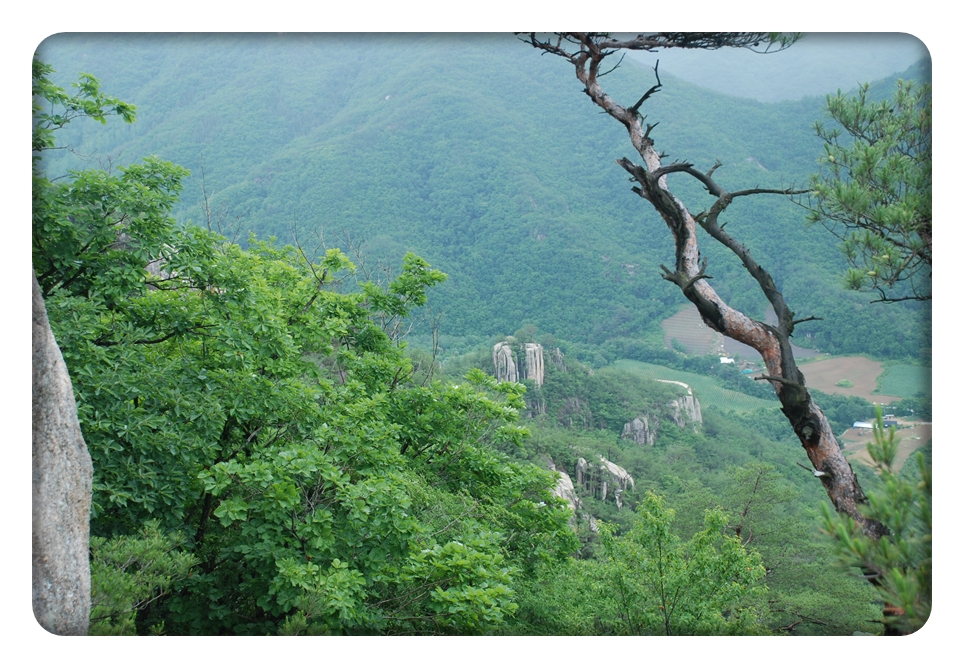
{"x": 535, "y": 363}
{"x": 62, "y": 475}
{"x": 639, "y": 431}
{"x": 685, "y": 410}
{"x": 565, "y": 490}
{"x": 504, "y": 362}
{"x": 682, "y": 411}
{"x": 600, "y": 478}
{"x": 532, "y": 367}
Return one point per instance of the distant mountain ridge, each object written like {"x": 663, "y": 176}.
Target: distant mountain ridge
{"x": 818, "y": 64}
{"x": 482, "y": 157}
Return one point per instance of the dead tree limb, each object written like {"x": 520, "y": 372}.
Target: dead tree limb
{"x": 586, "y": 52}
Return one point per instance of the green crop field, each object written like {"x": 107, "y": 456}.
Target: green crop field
{"x": 707, "y": 390}
{"x": 904, "y": 380}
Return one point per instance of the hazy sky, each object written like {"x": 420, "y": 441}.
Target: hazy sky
{"x": 818, "y": 64}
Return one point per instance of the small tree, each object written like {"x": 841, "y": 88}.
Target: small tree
{"x": 898, "y": 564}
{"x": 129, "y": 573}
{"x": 875, "y": 189}
{"x": 662, "y": 585}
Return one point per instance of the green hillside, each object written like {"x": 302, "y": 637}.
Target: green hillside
{"x": 707, "y": 390}
{"x": 275, "y": 452}
{"x": 480, "y": 156}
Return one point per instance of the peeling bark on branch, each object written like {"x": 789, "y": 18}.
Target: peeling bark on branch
{"x": 586, "y": 51}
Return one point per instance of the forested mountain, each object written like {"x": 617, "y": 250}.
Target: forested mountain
{"x": 275, "y": 452}
{"x": 481, "y": 157}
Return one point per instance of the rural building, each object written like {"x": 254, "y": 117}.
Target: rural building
{"x": 870, "y": 425}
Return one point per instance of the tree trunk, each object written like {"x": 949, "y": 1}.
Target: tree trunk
{"x": 586, "y": 52}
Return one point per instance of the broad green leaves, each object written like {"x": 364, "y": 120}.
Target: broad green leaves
{"x": 238, "y": 398}
{"x": 53, "y": 107}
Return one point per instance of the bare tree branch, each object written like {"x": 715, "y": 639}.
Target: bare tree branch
{"x": 586, "y": 52}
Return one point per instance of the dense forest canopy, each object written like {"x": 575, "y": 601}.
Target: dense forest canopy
{"x": 437, "y": 145}
{"x": 277, "y": 448}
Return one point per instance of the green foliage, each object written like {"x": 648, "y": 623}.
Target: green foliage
{"x": 54, "y": 108}
{"x": 129, "y": 573}
{"x": 384, "y": 142}
{"x": 650, "y": 582}
{"x": 238, "y": 398}
{"x": 407, "y": 291}
{"x": 705, "y": 586}
{"x": 95, "y": 234}
{"x": 900, "y": 563}
{"x": 875, "y": 192}
{"x": 918, "y": 406}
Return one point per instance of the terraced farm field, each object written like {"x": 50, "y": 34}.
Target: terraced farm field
{"x": 706, "y": 389}
{"x": 688, "y": 329}
{"x": 904, "y": 380}
{"x": 860, "y": 371}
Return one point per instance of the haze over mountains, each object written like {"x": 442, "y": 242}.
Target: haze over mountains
{"x": 818, "y": 64}
{"x": 483, "y": 157}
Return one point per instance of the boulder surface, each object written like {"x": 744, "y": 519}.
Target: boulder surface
{"x": 62, "y": 476}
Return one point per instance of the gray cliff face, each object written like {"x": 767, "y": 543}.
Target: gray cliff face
{"x": 638, "y": 431}
{"x": 504, "y": 362}
{"x": 603, "y": 477}
{"x": 62, "y": 474}
{"x": 532, "y": 368}
{"x": 535, "y": 363}
{"x": 567, "y": 491}
{"x": 685, "y": 410}
{"x": 682, "y": 411}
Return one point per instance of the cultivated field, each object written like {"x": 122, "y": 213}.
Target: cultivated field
{"x": 904, "y": 380}
{"x": 912, "y": 436}
{"x": 688, "y": 329}
{"x": 862, "y": 372}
